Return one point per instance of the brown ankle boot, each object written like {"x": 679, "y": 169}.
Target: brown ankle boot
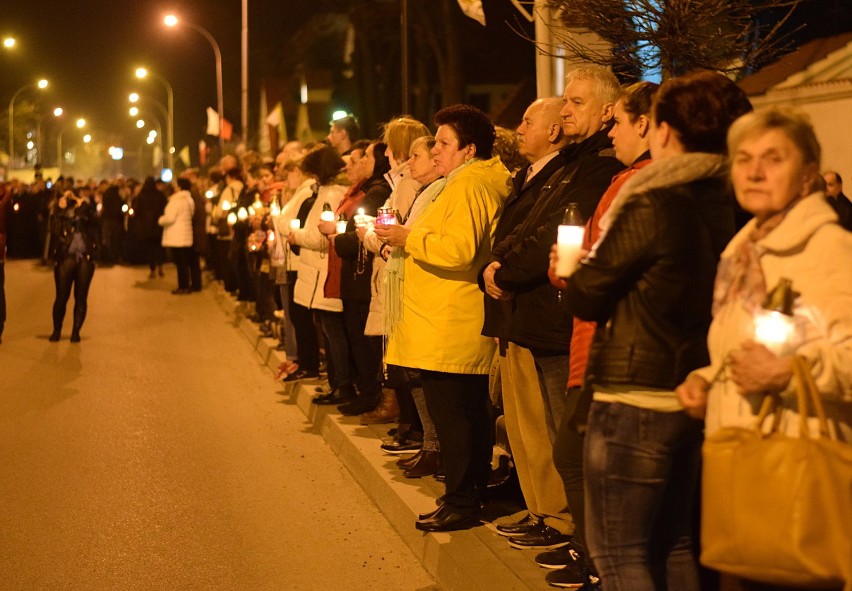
{"x": 386, "y": 412}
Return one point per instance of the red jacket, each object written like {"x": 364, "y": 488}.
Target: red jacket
{"x": 584, "y": 331}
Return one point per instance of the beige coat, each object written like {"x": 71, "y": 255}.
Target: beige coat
{"x": 811, "y": 249}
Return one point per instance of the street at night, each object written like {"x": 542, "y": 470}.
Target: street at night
{"x": 158, "y": 454}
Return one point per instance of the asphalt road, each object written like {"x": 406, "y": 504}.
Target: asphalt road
{"x": 157, "y": 455}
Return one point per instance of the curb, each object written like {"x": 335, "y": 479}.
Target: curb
{"x": 469, "y": 560}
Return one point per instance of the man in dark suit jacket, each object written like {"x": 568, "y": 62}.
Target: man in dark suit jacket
{"x": 570, "y": 163}
{"x": 839, "y": 201}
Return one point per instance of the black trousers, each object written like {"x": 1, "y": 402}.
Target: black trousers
{"x": 458, "y": 405}
{"x": 306, "y": 335}
{"x": 182, "y": 257}
{"x": 72, "y": 274}
{"x": 366, "y": 350}
{"x": 194, "y": 269}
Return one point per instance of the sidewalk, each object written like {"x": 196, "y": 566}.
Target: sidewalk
{"x": 472, "y": 560}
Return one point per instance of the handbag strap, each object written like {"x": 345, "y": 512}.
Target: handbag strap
{"x": 806, "y": 391}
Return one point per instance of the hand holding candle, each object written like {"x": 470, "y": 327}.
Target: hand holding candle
{"x": 341, "y": 224}
{"x": 569, "y": 241}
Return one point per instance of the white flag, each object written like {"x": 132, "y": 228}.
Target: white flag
{"x": 473, "y": 9}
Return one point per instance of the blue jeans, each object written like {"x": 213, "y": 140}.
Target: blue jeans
{"x": 641, "y": 472}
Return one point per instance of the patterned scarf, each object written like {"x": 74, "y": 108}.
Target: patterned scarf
{"x": 740, "y": 276}
{"x": 395, "y": 267}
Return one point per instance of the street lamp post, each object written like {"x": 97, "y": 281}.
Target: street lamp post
{"x": 40, "y": 84}
{"x": 170, "y": 122}
{"x": 57, "y": 112}
{"x": 159, "y": 129}
{"x": 80, "y": 123}
{"x": 172, "y": 21}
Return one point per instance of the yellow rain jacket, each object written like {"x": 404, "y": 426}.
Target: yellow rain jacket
{"x": 442, "y": 307}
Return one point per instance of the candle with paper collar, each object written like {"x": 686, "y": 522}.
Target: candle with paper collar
{"x": 232, "y": 218}
{"x": 295, "y": 224}
{"x": 341, "y": 224}
{"x": 569, "y": 240}
{"x": 327, "y": 215}
{"x": 774, "y": 321}
{"x": 242, "y": 214}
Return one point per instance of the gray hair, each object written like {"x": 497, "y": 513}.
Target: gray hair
{"x": 794, "y": 124}
{"x": 606, "y": 84}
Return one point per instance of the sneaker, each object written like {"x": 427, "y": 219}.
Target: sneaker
{"x": 518, "y": 528}
{"x": 407, "y": 443}
{"x": 559, "y": 558}
{"x": 541, "y": 537}
{"x": 572, "y": 576}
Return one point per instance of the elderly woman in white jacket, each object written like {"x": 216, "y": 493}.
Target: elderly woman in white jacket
{"x": 177, "y": 233}
{"x": 794, "y": 235}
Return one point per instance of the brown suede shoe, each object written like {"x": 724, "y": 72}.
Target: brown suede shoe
{"x": 428, "y": 464}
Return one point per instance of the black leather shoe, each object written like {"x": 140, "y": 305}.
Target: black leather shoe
{"x": 333, "y": 397}
{"x": 75, "y": 337}
{"x": 54, "y": 336}
{"x": 302, "y": 374}
{"x": 357, "y": 407}
{"x": 446, "y": 519}
{"x": 430, "y": 514}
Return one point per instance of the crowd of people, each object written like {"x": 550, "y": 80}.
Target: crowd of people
{"x": 413, "y": 270}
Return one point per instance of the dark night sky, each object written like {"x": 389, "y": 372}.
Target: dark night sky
{"x": 88, "y": 49}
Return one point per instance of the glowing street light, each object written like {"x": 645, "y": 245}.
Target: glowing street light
{"x": 172, "y": 21}
{"x": 143, "y": 73}
{"x": 133, "y": 97}
{"x": 87, "y": 138}
{"x": 140, "y": 123}
{"x": 9, "y": 42}
{"x": 133, "y": 111}
{"x": 41, "y": 84}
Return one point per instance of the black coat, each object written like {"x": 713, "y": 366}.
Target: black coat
{"x": 516, "y": 209}
{"x": 356, "y": 262}
{"x": 538, "y": 319}
{"x": 66, "y": 222}
{"x": 650, "y": 284}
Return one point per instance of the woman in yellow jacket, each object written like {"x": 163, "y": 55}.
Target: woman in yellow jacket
{"x": 438, "y": 331}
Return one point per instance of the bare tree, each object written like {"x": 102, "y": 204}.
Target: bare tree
{"x": 672, "y": 36}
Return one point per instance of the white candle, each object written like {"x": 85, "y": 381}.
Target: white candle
{"x": 232, "y": 218}
{"x": 773, "y": 330}
{"x": 341, "y": 226}
{"x": 242, "y": 214}
{"x": 327, "y": 216}
{"x": 569, "y": 242}
{"x": 295, "y": 224}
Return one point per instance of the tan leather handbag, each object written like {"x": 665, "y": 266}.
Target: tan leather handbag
{"x": 778, "y": 509}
